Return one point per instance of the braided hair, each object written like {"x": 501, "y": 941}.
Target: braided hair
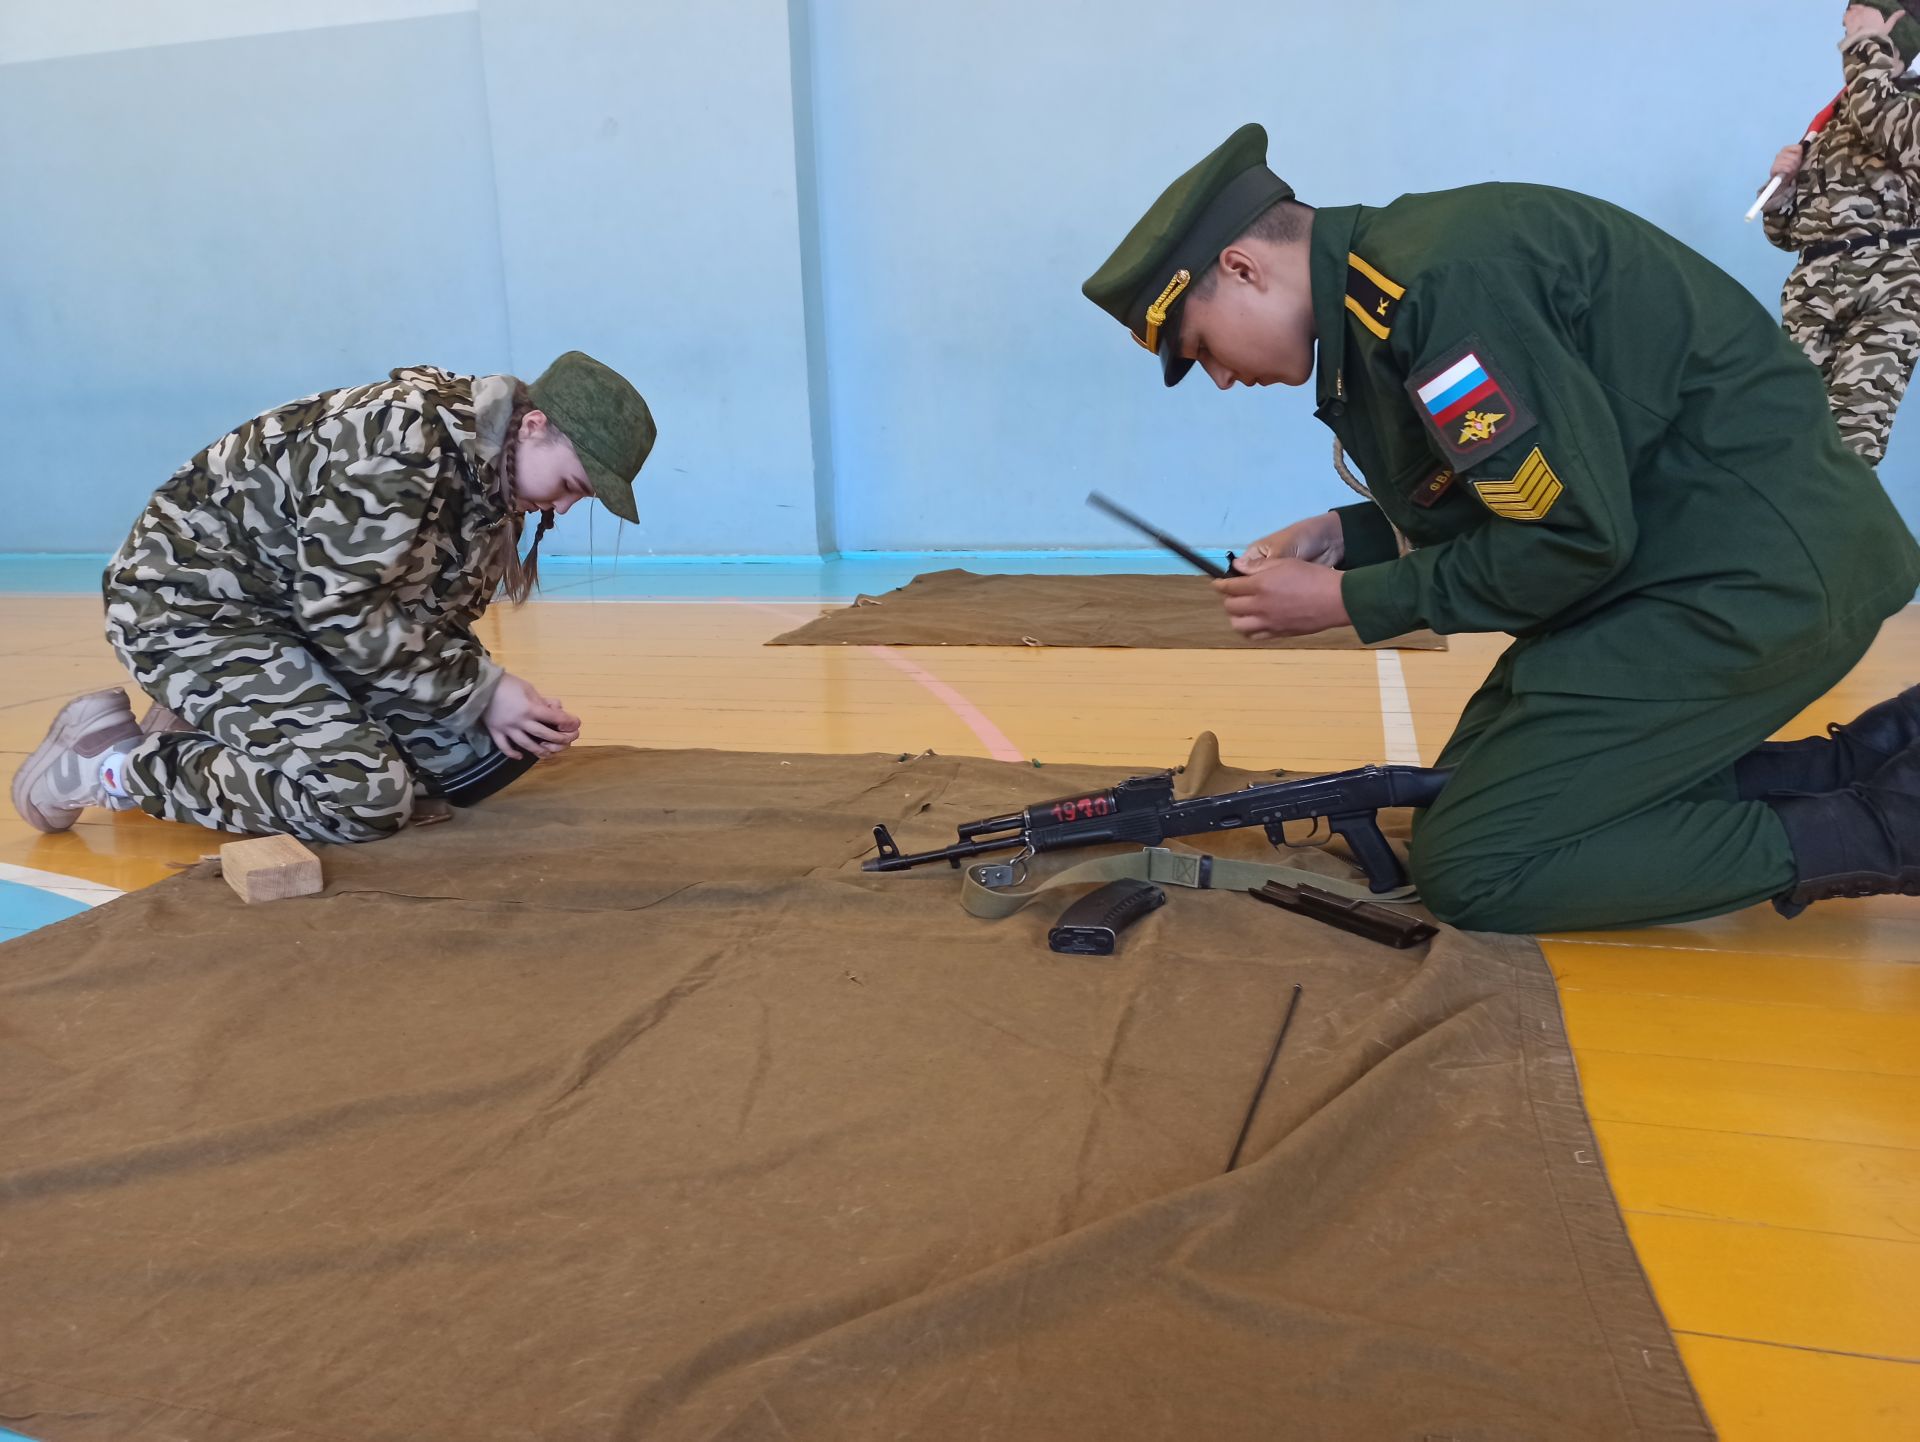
{"x": 518, "y": 574}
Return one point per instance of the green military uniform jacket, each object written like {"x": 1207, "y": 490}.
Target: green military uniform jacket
{"x": 1594, "y": 439}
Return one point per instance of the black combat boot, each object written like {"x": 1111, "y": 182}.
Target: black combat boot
{"x": 1863, "y": 840}
{"x": 1833, "y": 762}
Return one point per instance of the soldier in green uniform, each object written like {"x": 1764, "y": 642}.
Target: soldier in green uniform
{"x": 299, "y": 601}
{"x": 1850, "y": 205}
{"x": 1593, "y": 439}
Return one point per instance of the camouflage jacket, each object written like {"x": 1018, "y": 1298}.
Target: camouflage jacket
{"x": 365, "y": 522}
{"x": 1862, "y": 172}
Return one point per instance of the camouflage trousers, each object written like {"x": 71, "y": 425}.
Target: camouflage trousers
{"x": 278, "y": 745}
{"x": 1858, "y": 319}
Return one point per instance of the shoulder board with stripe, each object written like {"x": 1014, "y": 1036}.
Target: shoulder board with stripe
{"x": 1371, "y": 296}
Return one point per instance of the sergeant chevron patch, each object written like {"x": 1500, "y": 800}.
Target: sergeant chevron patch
{"x": 1528, "y": 496}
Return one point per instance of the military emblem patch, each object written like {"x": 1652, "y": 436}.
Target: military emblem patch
{"x": 1528, "y": 496}
{"x": 1470, "y": 409}
{"x": 1477, "y": 426}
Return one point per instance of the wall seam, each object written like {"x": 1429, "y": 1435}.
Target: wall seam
{"x": 800, "y": 54}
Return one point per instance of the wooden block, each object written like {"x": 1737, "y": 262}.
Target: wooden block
{"x": 270, "y": 868}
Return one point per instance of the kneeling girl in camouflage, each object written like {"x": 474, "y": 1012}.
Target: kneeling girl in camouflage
{"x": 301, "y": 596}
{"x": 1850, "y": 204}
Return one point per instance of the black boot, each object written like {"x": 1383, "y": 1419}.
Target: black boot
{"x": 1860, "y": 841}
{"x": 1846, "y": 754}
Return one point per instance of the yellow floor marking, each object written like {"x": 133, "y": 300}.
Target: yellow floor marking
{"x": 1756, "y": 1098}
{"x": 1783, "y": 1394}
{"x": 1889, "y": 986}
{"x": 1769, "y": 1284}
{"x": 1756, "y": 1031}
{"x": 1814, "y": 1186}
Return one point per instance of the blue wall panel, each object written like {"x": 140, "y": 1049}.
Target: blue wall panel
{"x": 192, "y": 233}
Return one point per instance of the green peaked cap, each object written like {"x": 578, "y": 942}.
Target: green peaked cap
{"x": 1143, "y": 282}
{"x": 1905, "y": 34}
{"x": 609, "y": 424}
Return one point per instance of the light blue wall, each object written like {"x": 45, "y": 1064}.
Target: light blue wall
{"x": 645, "y": 155}
{"x": 837, "y": 242}
{"x": 977, "y": 161}
{"x": 192, "y": 233}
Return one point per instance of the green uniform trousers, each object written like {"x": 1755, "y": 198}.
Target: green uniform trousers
{"x": 1568, "y": 812}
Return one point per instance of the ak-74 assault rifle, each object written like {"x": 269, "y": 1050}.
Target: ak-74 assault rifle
{"x": 1142, "y": 810}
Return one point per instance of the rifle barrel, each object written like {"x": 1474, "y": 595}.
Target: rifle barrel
{"x": 952, "y": 854}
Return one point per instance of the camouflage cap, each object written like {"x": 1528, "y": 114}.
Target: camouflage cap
{"x": 1180, "y": 236}
{"x": 1905, "y": 34}
{"x": 609, "y": 424}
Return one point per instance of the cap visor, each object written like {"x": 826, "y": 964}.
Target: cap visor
{"x": 1173, "y": 366}
{"x": 609, "y": 490}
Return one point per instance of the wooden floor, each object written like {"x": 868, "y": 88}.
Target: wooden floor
{"x": 1755, "y": 1083}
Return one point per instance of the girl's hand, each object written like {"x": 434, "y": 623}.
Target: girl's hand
{"x": 1865, "y": 20}
{"x": 1318, "y": 539}
{"x": 1285, "y": 597}
{"x": 522, "y": 721}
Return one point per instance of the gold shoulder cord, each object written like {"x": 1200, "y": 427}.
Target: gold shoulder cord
{"x": 1157, "y": 312}
{"x": 1340, "y": 466}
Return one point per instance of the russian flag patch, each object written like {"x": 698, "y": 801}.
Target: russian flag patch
{"x": 1470, "y": 409}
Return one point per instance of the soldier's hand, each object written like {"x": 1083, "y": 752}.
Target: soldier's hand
{"x": 1286, "y": 597}
{"x": 1865, "y": 20}
{"x": 522, "y": 721}
{"x": 1786, "y": 165}
{"x": 1317, "y": 539}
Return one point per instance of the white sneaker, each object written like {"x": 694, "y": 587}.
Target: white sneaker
{"x": 62, "y": 776}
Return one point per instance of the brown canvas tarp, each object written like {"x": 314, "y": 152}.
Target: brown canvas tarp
{"x": 626, "y": 1106}
{"x": 959, "y": 608}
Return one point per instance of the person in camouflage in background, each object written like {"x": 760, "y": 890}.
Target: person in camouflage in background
{"x": 1850, "y": 205}
{"x": 301, "y": 597}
